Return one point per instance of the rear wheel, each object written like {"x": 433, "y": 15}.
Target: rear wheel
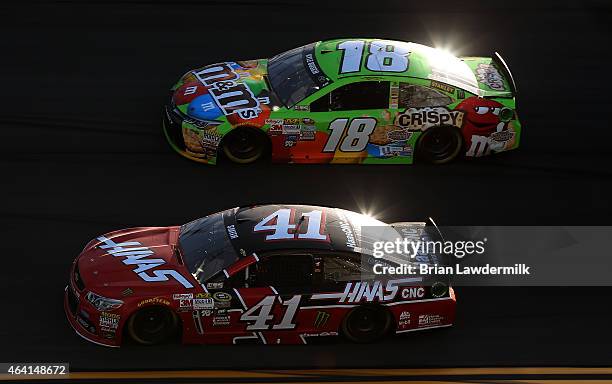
{"x": 366, "y": 324}
{"x": 439, "y": 145}
{"x": 152, "y": 325}
{"x": 245, "y": 145}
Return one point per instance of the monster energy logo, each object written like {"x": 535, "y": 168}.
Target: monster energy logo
{"x": 321, "y": 319}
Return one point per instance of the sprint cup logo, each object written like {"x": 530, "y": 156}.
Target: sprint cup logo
{"x": 230, "y": 96}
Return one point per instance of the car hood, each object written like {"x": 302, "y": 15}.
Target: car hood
{"x": 236, "y": 90}
{"x": 141, "y": 259}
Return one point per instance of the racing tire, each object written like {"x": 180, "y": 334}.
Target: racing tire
{"x": 439, "y": 145}
{"x": 366, "y": 324}
{"x": 152, "y": 325}
{"x": 245, "y": 145}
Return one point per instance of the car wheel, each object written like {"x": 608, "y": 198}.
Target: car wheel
{"x": 152, "y": 325}
{"x": 439, "y": 145}
{"x": 366, "y": 324}
{"x": 245, "y": 145}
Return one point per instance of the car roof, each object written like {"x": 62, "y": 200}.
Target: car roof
{"x": 423, "y": 62}
{"x": 341, "y": 228}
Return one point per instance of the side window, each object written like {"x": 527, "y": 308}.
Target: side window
{"x": 287, "y": 273}
{"x": 338, "y": 269}
{"x": 354, "y": 96}
{"x": 417, "y": 96}
{"x": 219, "y": 281}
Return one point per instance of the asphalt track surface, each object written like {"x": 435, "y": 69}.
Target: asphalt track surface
{"x": 82, "y": 153}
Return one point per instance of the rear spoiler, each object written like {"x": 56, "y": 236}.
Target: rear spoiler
{"x": 504, "y": 67}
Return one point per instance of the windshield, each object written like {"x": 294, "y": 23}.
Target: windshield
{"x": 295, "y": 75}
{"x": 205, "y": 245}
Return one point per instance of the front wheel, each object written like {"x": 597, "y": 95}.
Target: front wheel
{"x": 152, "y": 325}
{"x": 439, "y": 145}
{"x": 366, "y": 324}
{"x": 245, "y": 145}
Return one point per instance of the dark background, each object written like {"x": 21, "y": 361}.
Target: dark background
{"x": 82, "y": 153}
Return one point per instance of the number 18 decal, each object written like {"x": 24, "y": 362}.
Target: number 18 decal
{"x": 357, "y": 134}
{"x": 383, "y": 55}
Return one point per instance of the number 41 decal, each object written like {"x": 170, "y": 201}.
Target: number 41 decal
{"x": 283, "y": 227}
{"x": 261, "y": 313}
{"x": 357, "y": 134}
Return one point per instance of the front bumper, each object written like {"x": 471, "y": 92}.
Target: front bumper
{"x": 191, "y": 139}
{"x": 81, "y": 325}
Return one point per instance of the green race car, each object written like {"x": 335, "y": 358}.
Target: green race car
{"x": 355, "y": 100}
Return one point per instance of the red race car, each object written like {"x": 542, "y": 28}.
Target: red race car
{"x": 272, "y": 274}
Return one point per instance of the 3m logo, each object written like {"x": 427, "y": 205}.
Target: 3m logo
{"x": 321, "y": 319}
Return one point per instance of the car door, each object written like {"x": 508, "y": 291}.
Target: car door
{"x": 269, "y": 296}
{"x": 339, "y": 125}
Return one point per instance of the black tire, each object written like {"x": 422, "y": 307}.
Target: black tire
{"x": 440, "y": 145}
{"x": 245, "y": 145}
{"x": 366, "y": 324}
{"x": 152, "y": 325}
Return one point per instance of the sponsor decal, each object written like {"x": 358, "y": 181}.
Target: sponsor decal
{"x": 231, "y": 96}
{"x": 442, "y": 86}
{"x": 210, "y": 139}
{"x": 108, "y": 333}
{"x": 399, "y": 135}
{"x": 134, "y": 253}
{"x": 291, "y": 140}
{"x": 276, "y": 126}
{"x": 109, "y": 320}
{"x": 307, "y": 135}
{"x": 320, "y": 334}
{"x": 321, "y": 319}
{"x": 202, "y": 295}
{"x": 203, "y": 304}
{"x": 394, "y": 150}
{"x": 308, "y": 121}
{"x": 232, "y": 232}
{"x": 502, "y": 136}
{"x": 185, "y": 304}
{"x": 404, "y": 319}
{"x": 311, "y": 64}
{"x": 355, "y": 292}
{"x": 301, "y": 107}
{"x": 182, "y": 296}
{"x": 291, "y": 129}
{"x": 489, "y": 75}
{"x": 419, "y": 119}
{"x": 153, "y": 300}
{"x": 430, "y": 320}
{"x": 127, "y": 292}
{"x": 184, "y": 300}
{"x": 215, "y": 285}
{"x": 347, "y": 229}
{"x": 413, "y": 293}
{"x": 221, "y": 321}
